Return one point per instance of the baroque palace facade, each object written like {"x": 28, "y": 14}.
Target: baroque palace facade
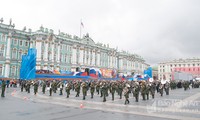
{"x": 61, "y": 52}
{"x": 167, "y": 69}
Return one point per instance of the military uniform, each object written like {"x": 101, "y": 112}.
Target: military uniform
{"x": 126, "y": 95}
{"x": 112, "y": 89}
{"x": 143, "y": 90}
{"x": 35, "y": 87}
{"x": 28, "y": 85}
{"x": 50, "y": 89}
{"x": 92, "y": 89}
{"x": 84, "y": 89}
{"x": 120, "y": 89}
{"x": 167, "y": 88}
{"x": 98, "y": 87}
{"x": 3, "y": 88}
{"x": 68, "y": 88}
{"x": 152, "y": 89}
{"x": 103, "y": 89}
{"x": 161, "y": 87}
{"x": 136, "y": 91}
{"x": 77, "y": 88}
{"x": 43, "y": 87}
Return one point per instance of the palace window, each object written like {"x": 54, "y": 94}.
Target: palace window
{"x": 1, "y": 50}
{"x": 20, "y": 43}
{"x": 15, "y": 41}
{"x": 14, "y": 54}
{"x": 13, "y": 71}
{"x": 20, "y": 54}
{"x": 1, "y": 69}
{"x": 3, "y": 37}
{"x": 26, "y": 43}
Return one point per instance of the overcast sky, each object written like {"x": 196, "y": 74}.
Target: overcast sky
{"x": 158, "y": 30}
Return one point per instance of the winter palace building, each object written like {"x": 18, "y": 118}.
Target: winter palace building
{"x": 61, "y": 52}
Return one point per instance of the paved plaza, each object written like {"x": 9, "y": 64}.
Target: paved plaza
{"x": 180, "y": 104}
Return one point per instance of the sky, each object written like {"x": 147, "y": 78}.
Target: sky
{"x": 157, "y": 30}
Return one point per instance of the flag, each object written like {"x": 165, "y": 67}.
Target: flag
{"x": 82, "y": 24}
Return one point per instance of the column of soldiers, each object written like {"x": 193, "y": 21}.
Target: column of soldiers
{"x": 103, "y": 88}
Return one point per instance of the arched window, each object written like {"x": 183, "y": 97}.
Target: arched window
{"x": 14, "y": 53}
{"x": 3, "y": 37}
{"x": 13, "y": 71}
{"x": 20, "y": 54}
{"x": 2, "y": 50}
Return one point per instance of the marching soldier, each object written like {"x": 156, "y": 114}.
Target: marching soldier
{"x": 77, "y": 88}
{"x": 120, "y": 89}
{"x": 50, "y": 89}
{"x": 61, "y": 88}
{"x": 35, "y": 87}
{"x": 84, "y": 89}
{"x": 43, "y": 87}
{"x": 152, "y": 89}
{"x": 92, "y": 89}
{"x": 28, "y": 86}
{"x": 143, "y": 90}
{"x": 22, "y": 86}
{"x": 126, "y": 94}
{"x": 68, "y": 88}
{"x": 112, "y": 89}
{"x": 161, "y": 87}
{"x": 136, "y": 91}
{"x": 3, "y": 88}
{"x": 147, "y": 91}
{"x": 167, "y": 88}
{"x": 103, "y": 89}
{"x": 98, "y": 87}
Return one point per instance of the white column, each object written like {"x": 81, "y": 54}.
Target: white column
{"x": 98, "y": 58}
{"x": 31, "y": 44}
{"x": 52, "y": 53}
{"x": 58, "y": 53}
{"x": 8, "y": 46}
{"x": 89, "y": 55}
{"x": 93, "y": 57}
{"x": 46, "y": 52}
{"x": 81, "y": 56}
{"x": 7, "y": 64}
{"x": 38, "y": 47}
{"x": 74, "y": 55}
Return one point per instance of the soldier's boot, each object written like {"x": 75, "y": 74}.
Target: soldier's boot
{"x": 125, "y": 102}
{"x": 136, "y": 99}
{"x": 143, "y": 97}
{"x": 83, "y": 97}
{"x": 153, "y": 96}
{"x": 101, "y": 94}
{"x": 112, "y": 97}
{"x": 104, "y": 99}
{"x": 91, "y": 95}
{"x": 147, "y": 97}
{"x": 128, "y": 101}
